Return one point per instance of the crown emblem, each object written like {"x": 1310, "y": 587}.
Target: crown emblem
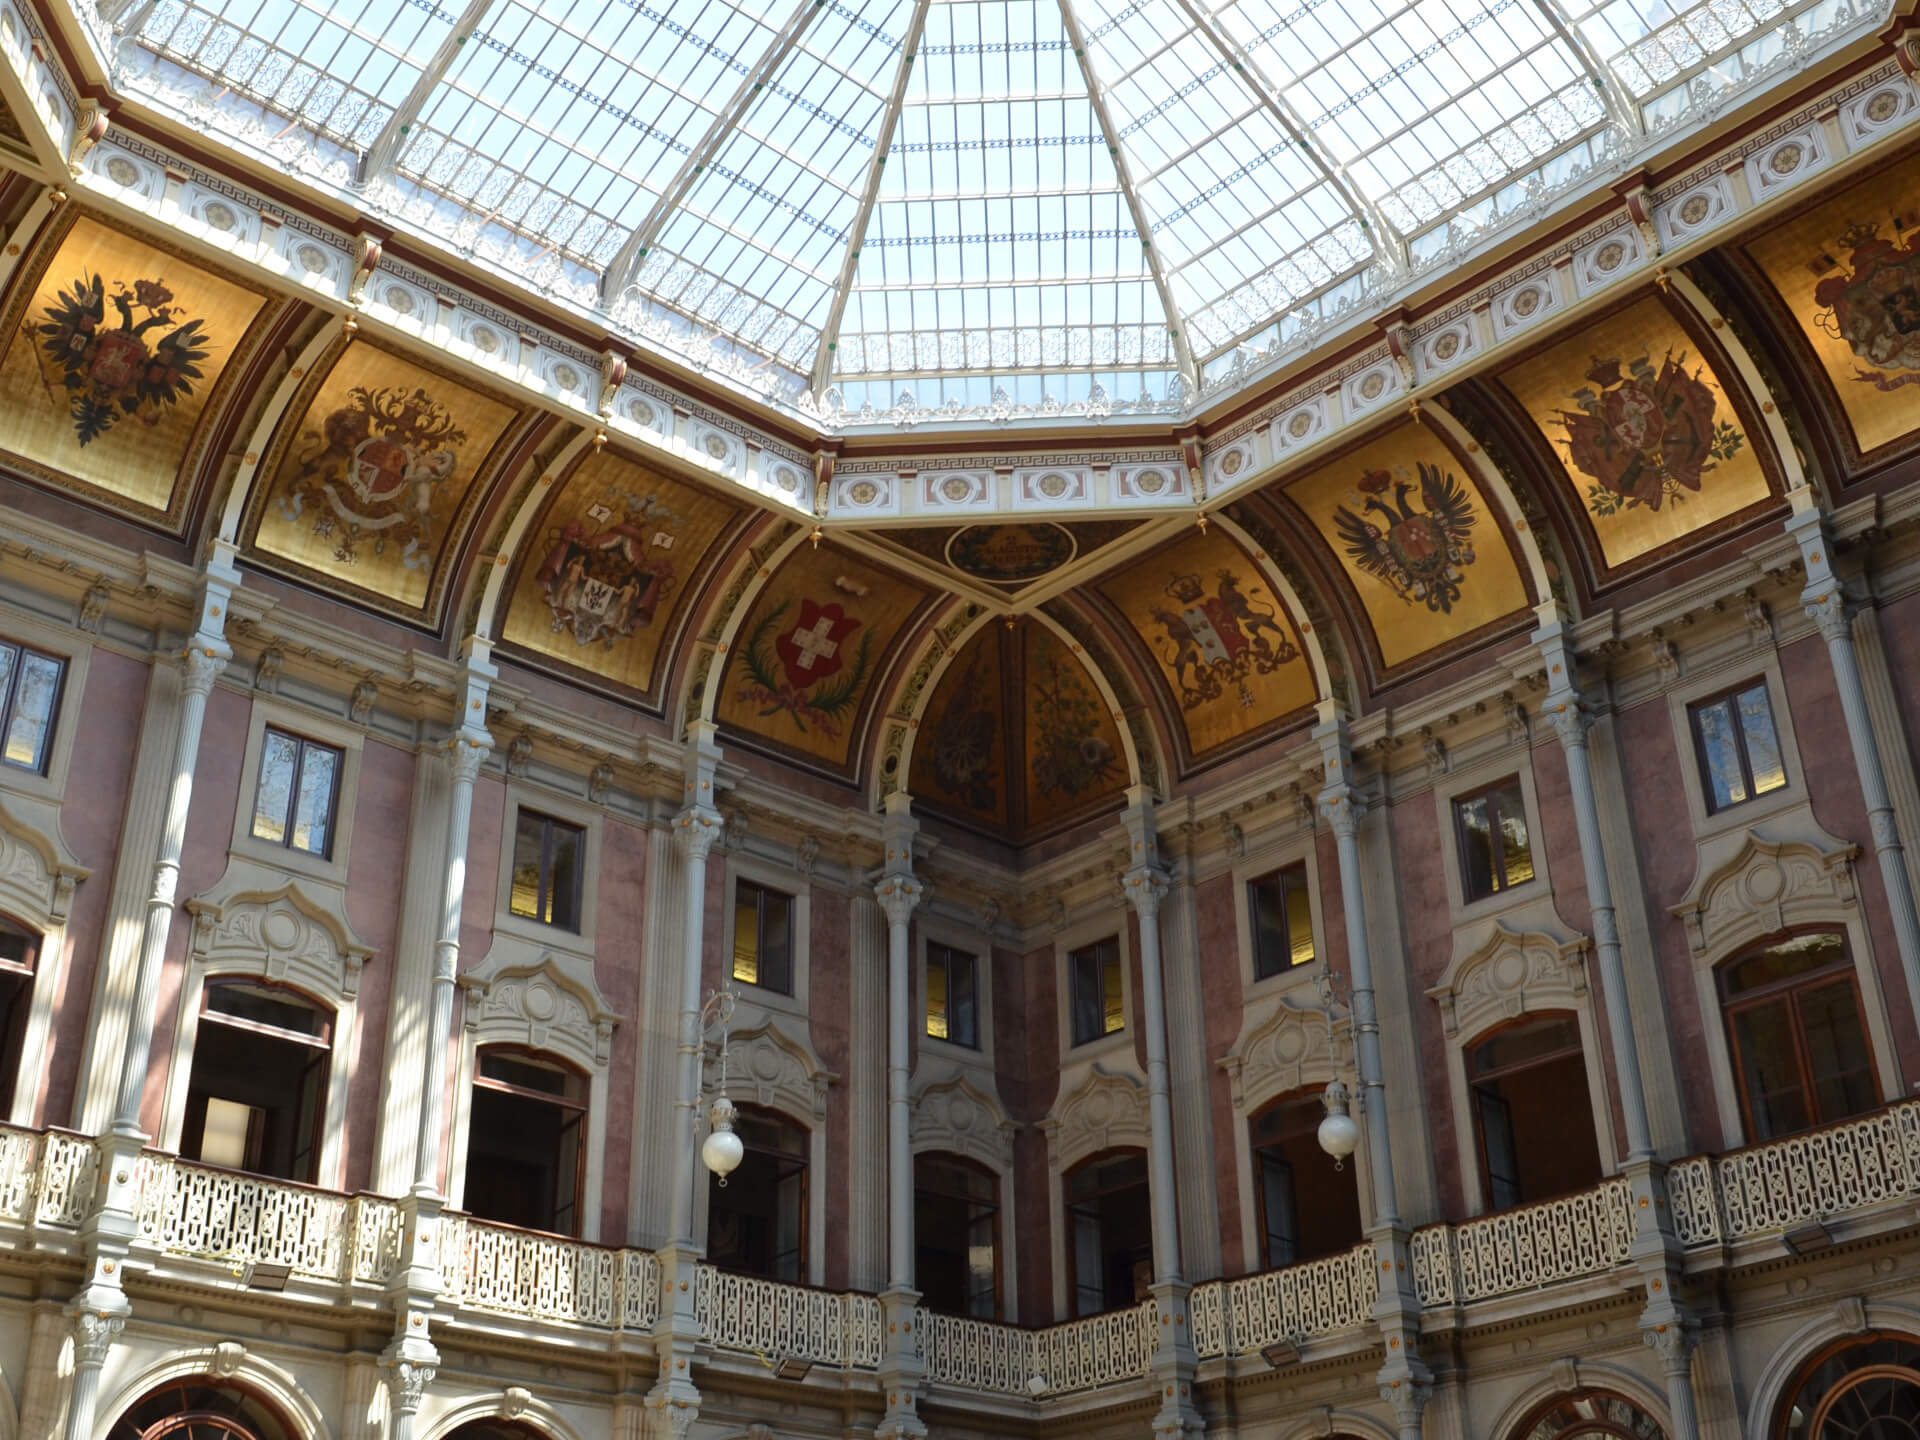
{"x": 1861, "y": 232}
{"x": 1187, "y": 589}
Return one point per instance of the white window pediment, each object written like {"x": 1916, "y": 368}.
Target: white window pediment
{"x": 1507, "y": 975}
{"x": 1764, "y": 887}
{"x": 1104, "y": 1112}
{"x": 767, "y": 1067}
{"x": 542, "y": 1006}
{"x": 955, "y": 1115}
{"x": 285, "y": 935}
{"x": 37, "y": 876}
{"x": 1291, "y": 1049}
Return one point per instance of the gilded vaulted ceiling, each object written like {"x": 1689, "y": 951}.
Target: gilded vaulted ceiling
{"x": 1014, "y": 629}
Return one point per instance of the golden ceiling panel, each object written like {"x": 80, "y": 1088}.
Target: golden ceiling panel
{"x": 116, "y": 351}
{"x": 609, "y": 565}
{"x": 804, "y": 664}
{"x": 1075, "y": 762}
{"x": 1848, "y": 271}
{"x": 1219, "y": 636}
{"x": 1644, "y": 428}
{"x": 1416, "y": 538}
{"x": 960, "y": 752}
{"x": 377, "y": 475}
{"x": 1008, "y": 557}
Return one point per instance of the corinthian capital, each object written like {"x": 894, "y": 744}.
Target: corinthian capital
{"x": 200, "y": 667}
{"x": 1831, "y": 612}
{"x": 1145, "y": 888}
{"x": 466, "y": 755}
{"x": 94, "y": 1332}
{"x": 1568, "y": 718}
{"x": 698, "y": 829}
{"x": 1342, "y": 809}
{"x": 898, "y": 895}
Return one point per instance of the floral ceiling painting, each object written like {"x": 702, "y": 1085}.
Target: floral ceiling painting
{"x": 1417, "y": 540}
{"x": 1848, "y": 271}
{"x": 1641, "y": 422}
{"x": 608, "y": 566}
{"x": 116, "y": 352}
{"x": 1025, "y": 769}
{"x": 1219, "y": 636}
{"x": 807, "y": 658}
{"x": 377, "y": 474}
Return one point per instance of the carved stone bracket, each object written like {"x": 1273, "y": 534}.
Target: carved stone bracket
{"x": 1104, "y": 1111}
{"x": 957, "y": 1115}
{"x": 541, "y": 1006}
{"x": 766, "y": 1067}
{"x": 1761, "y": 887}
{"x": 1508, "y": 975}
{"x": 1290, "y": 1050}
{"x": 285, "y": 935}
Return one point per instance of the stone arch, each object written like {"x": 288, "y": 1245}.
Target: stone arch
{"x": 1327, "y": 1423}
{"x": 1495, "y": 485}
{"x": 489, "y": 610}
{"x": 1291, "y": 1049}
{"x": 1569, "y": 1379}
{"x": 226, "y": 1363}
{"x": 1847, "y": 1319}
{"x": 518, "y": 1410}
{"x": 248, "y": 476}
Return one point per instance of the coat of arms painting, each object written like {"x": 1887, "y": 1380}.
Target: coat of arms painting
{"x": 1639, "y": 419}
{"x": 1848, "y": 271}
{"x": 111, "y": 359}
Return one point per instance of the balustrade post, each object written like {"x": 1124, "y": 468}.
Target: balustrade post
{"x": 98, "y": 1311}
{"x": 1405, "y": 1381}
{"x": 901, "y": 1369}
{"x": 1827, "y": 605}
{"x": 1173, "y": 1364}
{"x": 673, "y": 1404}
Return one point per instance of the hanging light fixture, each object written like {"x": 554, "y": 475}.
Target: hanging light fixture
{"x": 1339, "y": 1135}
{"x": 721, "y": 1150}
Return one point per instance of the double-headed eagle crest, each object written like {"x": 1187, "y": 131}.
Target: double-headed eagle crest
{"x": 139, "y": 366}
{"x": 1421, "y": 555}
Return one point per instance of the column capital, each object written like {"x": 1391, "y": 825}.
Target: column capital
{"x": 1145, "y": 887}
{"x": 1568, "y": 716}
{"x": 200, "y": 666}
{"x": 898, "y": 895}
{"x": 699, "y": 828}
{"x": 1674, "y": 1341}
{"x": 1342, "y": 808}
{"x": 466, "y": 754}
{"x": 1830, "y": 610}
{"x": 94, "y": 1331}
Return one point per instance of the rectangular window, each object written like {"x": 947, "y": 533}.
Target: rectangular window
{"x": 1099, "y": 1004}
{"x": 1491, "y": 828}
{"x": 293, "y": 804}
{"x": 1282, "y": 920}
{"x": 29, "y": 700}
{"x": 1736, "y": 746}
{"x": 762, "y": 937}
{"x": 549, "y": 858}
{"x": 256, "y": 1096}
{"x": 952, "y": 996}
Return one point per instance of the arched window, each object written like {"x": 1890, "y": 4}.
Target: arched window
{"x": 1532, "y": 1118}
{"x": 526, "y": 1140}
{"x": 495, "y": 1430}
{"x": 19, "y": 951}
{"x": 1801, "y": 1057}
{"x": 257, "y": 1097}
{"x": 1109, "y": 1231}
{"x": 1306, "y": 1207}
{"x": 956, "y": 1235}
{"x": 200, "y": 1408}
{"x": 757, "y": 1220}
{"x": 1866, "y": 1388}
{"x": 1590, "y": 1415}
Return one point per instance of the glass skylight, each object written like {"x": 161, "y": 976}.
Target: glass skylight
{"x": 962, "y": 202}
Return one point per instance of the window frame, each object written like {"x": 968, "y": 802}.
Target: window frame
{"x": 1457, "y": 803}
{"x": 1842, "y": 968}
{"x": 9, "y": 696}
{"x": 302, "y": 744}
{"x": 1262, "y": 1231}
{"x": 997, "y": 1206}
{"x": 27, "y": 972}
{"x": 323, "y": 1045}
{"x": 272, "y": 712}
{"x": 807, "y": 1163}
{"x": 1071, "y": 1298}
{"x": 974, "y": 1044}
{"x": 1707, "y": 682}
{"x": 550, "y": 822}
{"x": 74, "y": 649}
{"x": 1077, "y": 1041}
{"x": 582, "y": 1106}
{"x": 1702, "y": 772}
{"x": 1474, "y": 1078}
{"x": 763, "y": 890}
{"x": 1283, "y": 874}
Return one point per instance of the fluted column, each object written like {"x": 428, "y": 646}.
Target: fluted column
{"x": 1406, "y": 1384}
{"x": 898, "y": 893}
{"x": 1828, "y": 607}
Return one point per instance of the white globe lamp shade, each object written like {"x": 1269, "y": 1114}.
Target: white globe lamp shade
{"x": 1339, "y": 1135}
{"x": 722, "y": 1151}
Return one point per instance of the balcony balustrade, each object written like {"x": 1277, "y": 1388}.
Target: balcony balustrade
{"x": 346, "y": 1248}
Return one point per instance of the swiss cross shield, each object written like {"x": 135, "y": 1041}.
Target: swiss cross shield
{"x": 810, "y": 649}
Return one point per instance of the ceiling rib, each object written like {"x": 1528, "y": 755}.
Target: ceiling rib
{"x": 625, "y": 264}
{"x": 1619, "y": 101}
{"x": 1389, "y": 245}
{"x": 1183, "y": 356}
{"x": 382, "y": 157}
{"x": 876, "y": 171}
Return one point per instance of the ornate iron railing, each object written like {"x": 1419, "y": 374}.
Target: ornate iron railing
{"x": 1291, "y": 1304}
{"x": 776, "y": 1321}
{"x": 1586, "y": 1233}
{"x": 212, "y": 1214}
{"x": 539, "y": 1277}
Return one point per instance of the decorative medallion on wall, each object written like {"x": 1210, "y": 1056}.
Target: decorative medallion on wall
{"x": 1010, "y": 554}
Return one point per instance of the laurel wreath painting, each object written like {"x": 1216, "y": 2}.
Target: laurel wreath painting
{"x": 804, "y": 674}
{"x": 139, "y": 366}
{"x": 1646, "y": 436}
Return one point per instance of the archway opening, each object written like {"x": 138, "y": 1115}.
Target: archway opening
{"x": 1864, "y": 1388}
{"x": 201, "y": 1407}
{"x": 1589, "y": 1415}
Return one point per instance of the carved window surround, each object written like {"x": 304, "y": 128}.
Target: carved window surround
{"x": 931, "y": 929}
{"x": 958, "y": 1117}
{"x": 37, "y": 879}
{"x": 1104, "y": 1111}
{"x": 76, "y": 648}
{"x": 1114, "y": 1049}
{"x": 751, "y": 868}
{"x": 1748, "y": 887}
{"x": 1509, "y": 760}
{"x": 1761, "y": 664}
{"x": 1298, "y": 849}
{"x": 309, "y": 724}
{"x": 521, "y": 795}
{"x": 1508, "y": 974}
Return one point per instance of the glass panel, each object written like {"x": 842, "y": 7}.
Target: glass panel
{"x": 790, "y": 1208}
{"x": 746, "y": 933}
{"x": 31, "y": 724}
{"x": 1843, "y": 1081}
{"x": 1770, "y": 1070}
{"x": 529, "y": 839}
{"x": 1515, "y": 853}
{"x": 223, "y": 1136}
{"x": 937, "y": 992}
{"x": 963, "y": 1013}
{"x": 273, "y": 796}
{"x": 1115, "y": 1015}
{"x": 1276, "y": 1207}
{"x": 280, "y": 1009}
{"x": 1089, "y": 1022}
{"x": 1089, "y": 1263}
{"x": 1763, "y": 745}
{"x": 1476, "y": 847}
{"x": 1299, "y": 917}
{"x": 1796, "y": 956}
{"x": 1719, "y": 748}
{"x": 1525, "y": 1041}
{"x": 1497, "y": 1148}
{"x": 1266, "y": 900}
{"x": 776, "y": 941}
{"x": 313, "y": 808}
{"x": 563, "y": 876}
{"x": 9, "y": 662}
{"x": 983, "y": 1279}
